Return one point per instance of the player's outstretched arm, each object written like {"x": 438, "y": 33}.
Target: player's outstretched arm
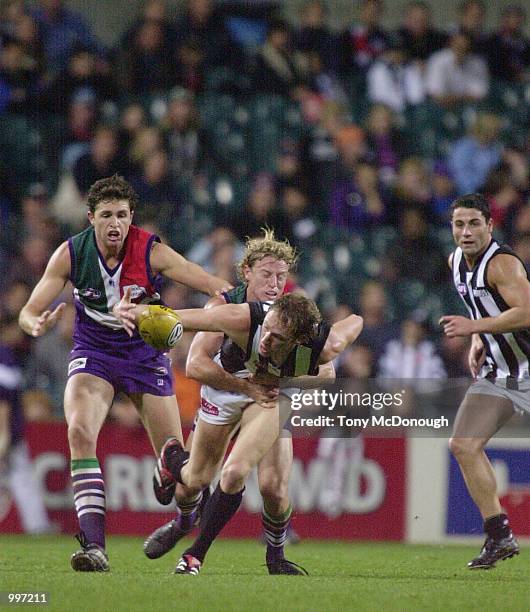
{"x": 164, "y": 260}
{"x": 341, "y": 335}
{"x": 201, "y": 366}
{"x": 35, "y": 318}
{"x": 508, "y": 276}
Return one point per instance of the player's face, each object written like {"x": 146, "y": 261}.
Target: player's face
{"x": 266, "y": 279}
{"x": 471, "y": 231}
{"x": 111, "y": 221}
{"x": 274, "y": 341}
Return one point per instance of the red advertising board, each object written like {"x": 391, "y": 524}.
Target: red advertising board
{"x": 339, "y": 489}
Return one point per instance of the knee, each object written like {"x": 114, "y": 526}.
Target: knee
{"x": 463, "y": 447}
{"x": 234, "y": 476}
{"x": 81, "y": 438}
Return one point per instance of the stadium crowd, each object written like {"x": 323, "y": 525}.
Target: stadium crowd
{"x": 352, "y": 144}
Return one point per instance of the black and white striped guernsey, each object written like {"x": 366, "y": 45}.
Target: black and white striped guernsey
{"x": 508, "y": 354}
{"x": 301, "y": 361}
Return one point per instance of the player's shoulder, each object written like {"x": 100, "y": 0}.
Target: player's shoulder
{"x": 505, "y": 262}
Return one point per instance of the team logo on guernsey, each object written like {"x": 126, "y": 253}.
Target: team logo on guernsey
{"x": 462, "y": 288}
{"x": 136, "y": 291}
{"x": 90, "y": 294}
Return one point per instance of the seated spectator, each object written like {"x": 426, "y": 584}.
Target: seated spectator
{"x": 386, "y": 143}
{"x": 156, "y": 189}
{"x": 278, "y": 70}
{"x": 101, "y": 161}
{"x": 501, "y": 194}
{"x": 393, "y": 81}
{"x": 83, "y": 73}
{"x": 184, "y": 141}
{"x": 415, "y": 254}
{"x": 146, "y": 141}
{"x": 356, "y": 202}
{"x": 261, "y": 210}
{"x": 471, "y": 23}
{"x": 455, "y": 75}
{"x": 413, "y": 355}
{"x": 420, "y": 38}
{"x": 19, "y": 79}
{"x": 74, "y": 140}
{"x": 132, "y": 120}
{"x": 378, "y": 329}
{"x": 61, "y": 31}
{"x": 201, "y": 23}
{"x": 471, "y": 157}
{"x": 509, "y": 47}
{"x": 443, "y": 192}
{"x": 142, "y": 67}
{"x": 366, "y": 40}
{"x": 153, "y": 11}
{"x": 314, "y": 36}
{"x": 300, "y": 226}
{"x": 190, "y": 65}
{"x": 412, "y": 188}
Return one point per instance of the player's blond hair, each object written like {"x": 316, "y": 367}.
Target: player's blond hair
{"x": 266, "y": 246}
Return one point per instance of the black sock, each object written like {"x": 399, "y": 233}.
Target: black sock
{"x": 497, "y": 527}
{"x": 222, "y": 506}
{"x": 205, "y": 506}
{"x": 175, "y": 458}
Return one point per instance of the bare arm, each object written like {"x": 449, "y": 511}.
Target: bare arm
{"x": 341, "y": 335}
{"x": 34, "y": 317}
{"x": 164, "y": 260}
{"x": 508, "y": 276}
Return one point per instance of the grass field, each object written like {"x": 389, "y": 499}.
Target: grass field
{"x": 353, "y": 576}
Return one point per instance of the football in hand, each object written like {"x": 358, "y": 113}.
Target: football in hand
{"x": 160, "y": 327}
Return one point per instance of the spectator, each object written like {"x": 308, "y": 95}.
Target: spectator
{"x": 154, "y": 11}
{"x": 443, "y": 192}
{"x": 101, "y": 161}
{"x": 61, "y": 31}
{"x": 183, "y": 138}
{"x": 374, "y": 308}
{"x": 300, "y": 227}
{"x": 365, "y": 41}
{"x": 416, "y": 254}
{"x": 190, "y": 66}
{"x": 411, "y": 189}
{"x": 356, "y": 202}
{"x": 455, "y": 75}
{"x": 156, "y": 189}
{"x": 413, "y": 355}
{"x": 501, "y": 194}
{"x": 471, "y": 157}
{"x": 471, "y": 23}
{"x": 420, "y": 38}
{"x": 386, "y": 143}
{"x": 19, "y": 79}
{"x": 314, "y": 36}
{"x": 202, "y": 24}
{"x": 509, "y": 47}
{"x": 83, "y": 73}
{"x": 132, "y": 121}
{"x": 74, "y": 140}
{"x": 143, "y": 66}
{"x": 278, "y": 70}
{"x": 393, "y": 81}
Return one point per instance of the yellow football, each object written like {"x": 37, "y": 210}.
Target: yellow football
{"x": 160, "y": 327}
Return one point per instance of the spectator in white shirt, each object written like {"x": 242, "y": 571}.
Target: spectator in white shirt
{"x": 393, "y": 81}
{"x": 456, "y": 76}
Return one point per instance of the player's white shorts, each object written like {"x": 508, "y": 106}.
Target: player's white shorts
{"x": 224, "y": 407}
{"x": 501, "y": 387}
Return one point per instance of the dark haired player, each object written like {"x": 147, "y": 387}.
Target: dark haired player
{"x": 494, "y": 286}
{"x": 285, "y": 339}
{"x": 109, "y": 257}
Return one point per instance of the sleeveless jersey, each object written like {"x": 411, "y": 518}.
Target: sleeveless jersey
{"x": 97, "y": 289}
{"x": 302, "y": 360}
{"x": 508, "y": 354}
